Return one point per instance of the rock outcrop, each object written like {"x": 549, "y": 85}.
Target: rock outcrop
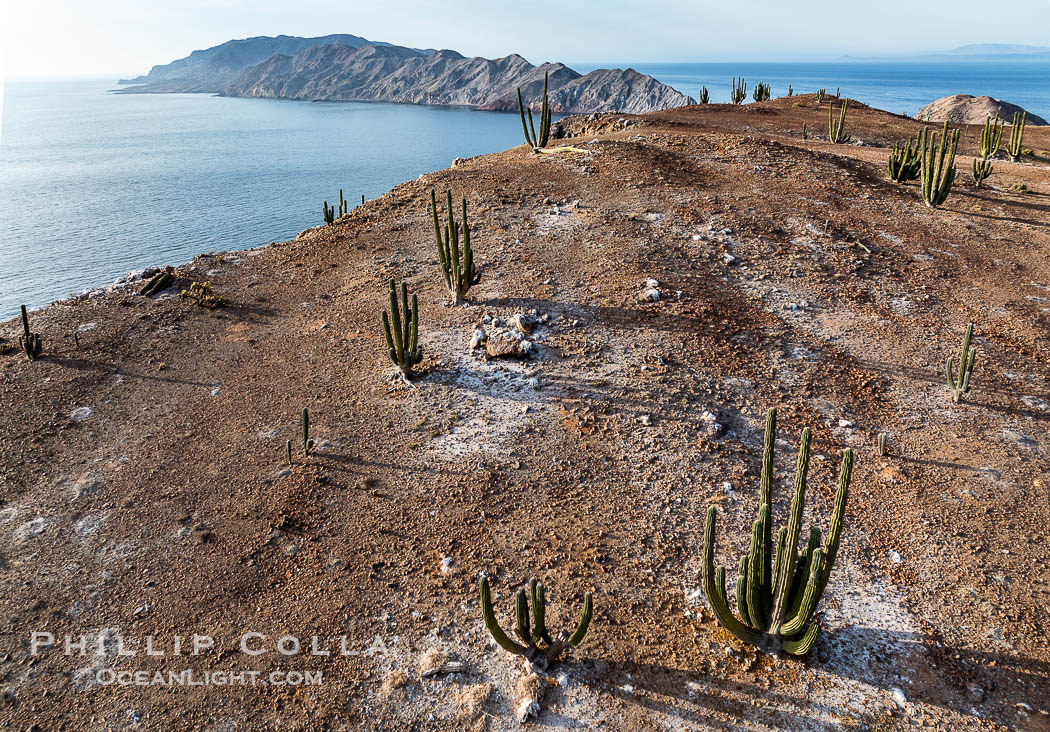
{"x": 354, "y": 71}
{"x": 970, "y": 110}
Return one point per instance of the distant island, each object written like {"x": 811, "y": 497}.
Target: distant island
{"x": 348, "y": 68}
{"x": 971, "y": 52}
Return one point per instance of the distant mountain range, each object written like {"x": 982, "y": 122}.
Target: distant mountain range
{"x": 996, "y": 50}
{"x": 350, "y": 68}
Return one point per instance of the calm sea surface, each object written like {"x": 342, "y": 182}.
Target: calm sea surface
{"x": 93, "y": 185}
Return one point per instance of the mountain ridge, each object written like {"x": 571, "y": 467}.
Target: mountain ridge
{"x": 351, "y": 68}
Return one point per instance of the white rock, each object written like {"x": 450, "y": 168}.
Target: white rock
{"x": 898, "y": 696}
{"x": 80, "y": 414}
{"x": 728, "y": 258}
{"x": 844, "y": 423}
{"x": 896, "y": 558}
{"x": 477, "y": 339}
{"x": 446, "y": 564}
{"x": 651, "y": 294}
{"x": 651, "y": 283}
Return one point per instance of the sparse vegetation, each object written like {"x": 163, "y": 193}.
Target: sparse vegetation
{"x": 1019, "y": 188}
{"x": 937, "y": 172}
{"x": 203, "y": 293}
{"x": 882, "y": 444}
{"x": 837, "y": 131}
{"x": 32, "y": 344}
{"x": 457, "y": 265}
{"x": 1014, "y": 146}
{"x": 531, "y": 138}
{"x": 820, "y": 95}
{"x": 778, "y": 590}
{"x": 905, "y": 162}
{"x": 791, "y": 90}
{"x": 959, "y": 382}
{"x": 704, "y": 96}
{"x": 402, "y": 336}
{"x": 739, "y": 92}
{"x": 761, "y": 92}
{"x": 982, "y": 168}
{"x": 536, "y": 646}
{"x": 329, "y": 214}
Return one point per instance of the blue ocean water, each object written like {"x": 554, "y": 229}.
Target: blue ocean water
{"x": 903, "y": 87}
{"x": 93, "y": 184}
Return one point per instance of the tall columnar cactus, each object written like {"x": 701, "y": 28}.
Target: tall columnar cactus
{"x": 820, "y": 95}
{"x": 778, "y": 589}
{"x": 32, "y": 344}
{"x": 937, "y": 172}
{"x": 536, "y": 646}
{"x": 344, "y": 205}
{"x": 991, "y": 136}
{"x": 761, "y": 92}
{"x": 1013, "y": 147}
{"x": 329, "y": 214}
{"x": 531, "y": 138}
{"x": 837, "y": 131}
{"x": 457, "y": 265}
{"x": 904, "y": 162}
{"x": 960, "y": 382}
{"x": 982, "y": 168}
{"x": 704, "y": 96}
{"x": 791, "y": 90}
{"x": 402, "y": 335}
{"x": 739, "y": 92}
{"x": 805, "y": 132}
{"x": 308, "y": 444}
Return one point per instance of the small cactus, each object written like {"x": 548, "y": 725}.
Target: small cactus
{"x": 837, "y": 131}
{"x": 402, "y": 335}
{"x": 288, "y": 447}
{"x": 157, "y": 283}
{"x": 805, "y": 133}
{"x": 904, "y": 162}
{"x": 308, "y": 444}
{"x": 531, "y": 138}
{"x": 536, "y": 646}
{"x": 820, "y": 95}
{"x": 881, "y": 444}
{"x": 791, "y": 90}
{"x": 937, "y": 171}
{"x": 1013, "y": 147}
{"x": 959, "y": 382}
{"x": 991, "y": 136}
{"x": 704, "y": 96}
{"x": 982, "y": 168}
{"x": 777, "y": 589}
{"x": 457, "y": 266}
{"x": 32, "y": 344}
{"x": 761, "y": 92}
{"x": 329, "y": 214}
{"x": 739, "y": 92}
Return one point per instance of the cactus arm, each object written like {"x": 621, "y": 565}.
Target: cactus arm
{"x": 838, "y": 516}
{"x": 489, "y": 616}
{"x": 781, "y": 543}
{"x": 809, "y": 598}
{"x": 803, "y": 645}
{"x": 741, "y": 591}
{"x": 395, "y": 321}
{"x": 585, "y": 621}
{"x": 521, "y": 618}
{"x": 755, "y": 571}
{"x": 524, "y": 127}
{"x": 794, "y": 528}
{"x": 545, "y": 115}
{"x": 802, "y": 573}
{"x": 714, "y": 588}
{"x": 413, "y": 335}
{"x": 389, "y": 339}
{"x": 538, "y": 597}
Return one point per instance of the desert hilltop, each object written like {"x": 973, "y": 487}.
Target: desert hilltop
{"x": 674, "y": 275}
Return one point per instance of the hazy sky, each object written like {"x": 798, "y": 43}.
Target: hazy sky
{"x": 112, "y": 37}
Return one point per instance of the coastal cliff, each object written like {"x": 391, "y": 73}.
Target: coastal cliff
{"x": 349, "y": 68}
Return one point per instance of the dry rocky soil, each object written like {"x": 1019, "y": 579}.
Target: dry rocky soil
{"x": 145, "y": 489}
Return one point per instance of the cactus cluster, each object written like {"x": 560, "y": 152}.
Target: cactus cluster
{"x": 991, "y": 137}
{"x": 761, "y": 92}
{"x": 402, "y": 335}
{"x": 937, "y": 171}
{"x": 156, "y": 283}
{"x": 905, "y": 161}
{"x": 791, "y": 90}
{"x": 1013, "y": 147}
{"x": 739, "y": 92}
{"x": 837, "y": 131}
{"x": 704, "y": 96}
{"x": 959, "y": 382}
{"x": 457, "y": 264}
{"x": 777, "y": 589}
{"x": 203, "y": 293}
{"x": 331, "y": 213}
{"x": 531, "y": 138}
{"x": 32, "y": 344}
{"x": 537, "y": 646}
{"x": 820, "y": 95}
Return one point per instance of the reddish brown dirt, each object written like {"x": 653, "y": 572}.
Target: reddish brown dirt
{"x": 169, "y": 508}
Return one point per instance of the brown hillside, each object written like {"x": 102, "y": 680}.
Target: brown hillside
{"x": 145, "y": 490}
